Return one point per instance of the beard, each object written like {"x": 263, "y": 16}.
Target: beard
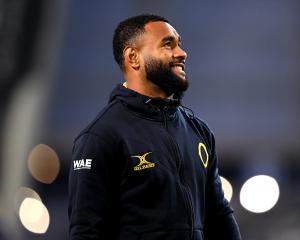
{"x": 162, "y": 75}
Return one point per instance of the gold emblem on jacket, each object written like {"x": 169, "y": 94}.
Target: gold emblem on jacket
{"x": 143, "y": 162}
{"x": 203, "y": 154}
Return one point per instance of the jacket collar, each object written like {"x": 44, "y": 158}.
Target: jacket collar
{"x": 154, "y": 108}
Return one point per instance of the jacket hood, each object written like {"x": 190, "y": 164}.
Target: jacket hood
{"x": 147, "y": 106}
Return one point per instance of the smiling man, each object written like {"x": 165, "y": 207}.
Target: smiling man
{"x": 145, "y": 168}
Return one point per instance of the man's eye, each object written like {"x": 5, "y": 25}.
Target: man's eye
{"x": 168, "y": 44}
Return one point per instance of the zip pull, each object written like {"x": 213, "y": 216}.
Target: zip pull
{"x": 148, "y": 101}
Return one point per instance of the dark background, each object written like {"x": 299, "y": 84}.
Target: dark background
{"x": 57, "y": 70}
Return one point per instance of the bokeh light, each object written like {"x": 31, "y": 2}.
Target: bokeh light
{"x": 34, "y": 215}
{"x": 227, "y": 188}
{"x": 43, "y": 163}
{"x": 259, "y": 193}
{"x": 21, "y": 194}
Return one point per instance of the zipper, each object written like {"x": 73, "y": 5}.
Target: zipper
{"x": 182, "y": 182}
{"x": 164, "y": 111}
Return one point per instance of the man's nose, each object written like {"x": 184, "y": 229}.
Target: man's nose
{"x": 180, "y": 53}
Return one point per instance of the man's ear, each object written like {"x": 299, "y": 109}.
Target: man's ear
{"x": 131, "y": 56}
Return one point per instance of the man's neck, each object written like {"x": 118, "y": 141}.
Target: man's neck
{"x": 148, "y": 89}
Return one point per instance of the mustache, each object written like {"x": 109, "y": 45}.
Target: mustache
{"x": 177, "y": 61}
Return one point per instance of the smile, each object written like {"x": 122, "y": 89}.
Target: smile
{"x": 179, "y": 66}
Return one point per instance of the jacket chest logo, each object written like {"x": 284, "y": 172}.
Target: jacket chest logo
{"x": 203, "y": 154}
{"x": 143, "y": 164}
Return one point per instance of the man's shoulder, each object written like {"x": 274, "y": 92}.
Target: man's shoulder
{"x": 199, "y": 122}
{"x": 198, "y": 125}
{"x": 104, "y": 123}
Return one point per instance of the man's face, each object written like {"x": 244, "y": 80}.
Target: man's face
{"x": 163, "y": 57}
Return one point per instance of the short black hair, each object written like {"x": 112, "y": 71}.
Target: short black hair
{"x": 129, "y": 29}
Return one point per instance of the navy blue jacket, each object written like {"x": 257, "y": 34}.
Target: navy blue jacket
{"x": 145, "y": 169}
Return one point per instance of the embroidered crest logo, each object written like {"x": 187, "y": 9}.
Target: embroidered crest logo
{"x": 203, "y": 154}
{"x": 143, "y": 162}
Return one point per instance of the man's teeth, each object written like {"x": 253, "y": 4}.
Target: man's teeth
{"x": 179, "y": 67}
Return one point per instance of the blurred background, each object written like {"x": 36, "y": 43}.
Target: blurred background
{"x": 57, "y": 70}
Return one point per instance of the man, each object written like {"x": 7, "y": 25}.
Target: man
{"x": 145, "y": 168}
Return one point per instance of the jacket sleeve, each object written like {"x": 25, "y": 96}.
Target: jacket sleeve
{"x": 92, "y": 191}
{"x": 219, "y": 220}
